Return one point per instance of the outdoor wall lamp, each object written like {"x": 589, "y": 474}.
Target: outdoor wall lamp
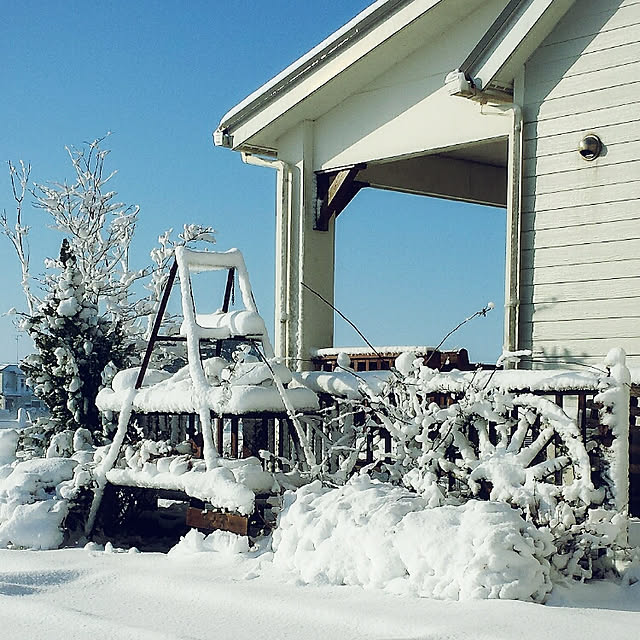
{"x": 590, "y": 147}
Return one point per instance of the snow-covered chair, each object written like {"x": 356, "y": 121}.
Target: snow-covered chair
{"x": 222, "y": 324}
{"x": 244, "y": 387}
{"x": 257, "y": 392}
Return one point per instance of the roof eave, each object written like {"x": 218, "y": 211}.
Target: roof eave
{"x": 344, "y": 37}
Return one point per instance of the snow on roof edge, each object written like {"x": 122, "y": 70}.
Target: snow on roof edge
{"x": 381, "y": 7}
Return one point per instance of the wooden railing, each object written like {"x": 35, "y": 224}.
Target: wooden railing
{"x": 271, "y": 436}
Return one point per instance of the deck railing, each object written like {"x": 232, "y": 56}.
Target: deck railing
{"x": 271, "y": 437}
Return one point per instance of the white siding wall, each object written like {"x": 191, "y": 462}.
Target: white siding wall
{"x": 580, "y": 279}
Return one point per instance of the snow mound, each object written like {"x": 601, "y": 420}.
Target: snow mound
{"x": 221, "y": 541}
{"x": 375, "y": 535}
{"x": 35, "y": 526}
{"x": 8, "y": 446}
{"x": 33, "y": 504}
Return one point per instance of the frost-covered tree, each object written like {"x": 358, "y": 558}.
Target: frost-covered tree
{"x": 17, "y": 232}
{"x": 98, "y": 230}
{"x": 73, "y": 344}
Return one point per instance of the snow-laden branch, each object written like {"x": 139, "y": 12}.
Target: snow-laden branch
{"x": 18, "y": 232}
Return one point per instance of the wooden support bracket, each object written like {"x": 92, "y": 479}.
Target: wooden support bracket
{"x": 336, "y": 189}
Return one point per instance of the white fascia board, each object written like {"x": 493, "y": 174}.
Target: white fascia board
{"x": 343, "y": 48}
{"x": 511, "y": 36}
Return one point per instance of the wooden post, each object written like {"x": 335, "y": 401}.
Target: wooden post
{"x": 369, "y": 447}
{"x": 387, "y": 443}
{"x": 557, "y": 476}
{"x": 582, "y": 416}
{"x": 284, "y": 443}
{"x": 219, "y": 425}
{"x": 157, "y": 322}
{"x": 271, "y": 436}
{"x": 234, "y": 437}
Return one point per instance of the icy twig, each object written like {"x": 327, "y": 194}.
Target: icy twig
{"x": 302, "y": 436}
{"x": 319, "y": 295}
{"x": 482, "y": 312}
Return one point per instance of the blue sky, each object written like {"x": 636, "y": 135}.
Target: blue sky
{"x": 159, "y": 75}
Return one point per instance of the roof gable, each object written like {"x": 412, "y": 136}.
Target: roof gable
{"x": 354, "y": 29}
{"x": 373, "y": 42}
{"x": 10, "y": 368}
{"x": 353, "y": 56}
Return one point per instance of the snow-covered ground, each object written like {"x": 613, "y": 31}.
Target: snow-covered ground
{"x": 76, "y": 593}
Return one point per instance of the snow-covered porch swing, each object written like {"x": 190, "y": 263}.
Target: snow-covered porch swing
{"x": 200, "y": 431}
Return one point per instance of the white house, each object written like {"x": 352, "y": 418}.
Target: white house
{"x": 14, "y": 392}
{"x": 530, "y": 105}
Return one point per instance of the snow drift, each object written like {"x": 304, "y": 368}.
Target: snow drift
{"x": 32, "y": 506}
{"x": 375, "y": 535}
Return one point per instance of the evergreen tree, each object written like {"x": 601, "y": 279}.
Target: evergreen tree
{"x": 73, "y": 346}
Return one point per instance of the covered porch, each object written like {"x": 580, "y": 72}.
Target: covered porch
{"x": 378, "y": 105}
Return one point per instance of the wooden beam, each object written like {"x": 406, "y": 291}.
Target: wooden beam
{"x": 213, "y": 520}
{"x": 442, "y": 176}
{"x": 335, "y": 191}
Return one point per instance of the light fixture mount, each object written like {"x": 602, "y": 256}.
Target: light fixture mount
{"x": 590, "y": 147}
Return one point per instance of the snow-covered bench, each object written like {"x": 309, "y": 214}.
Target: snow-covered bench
{"x": 247, "y": 386}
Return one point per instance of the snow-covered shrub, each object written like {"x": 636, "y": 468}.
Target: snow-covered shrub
{"x": 376, "y": 535}
{"x": 44, "y": 501}
{"x": 488, "y": 443}
{"x": 458, "y": 439}
{"x": 31, "y": 506}
{"x": 588, "y": 548}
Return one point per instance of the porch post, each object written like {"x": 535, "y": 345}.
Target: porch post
{"x": 303, "y": 254}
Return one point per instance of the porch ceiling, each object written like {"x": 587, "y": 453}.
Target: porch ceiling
{"x": 474, "y": 173}
{"x": 492, "y": 152}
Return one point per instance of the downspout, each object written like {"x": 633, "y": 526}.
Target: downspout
{"x": 458, "y": 84}
{"x": 283, "y": 248}
{"x": 300, "y": 353}
{"x": 514, "y": 200}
